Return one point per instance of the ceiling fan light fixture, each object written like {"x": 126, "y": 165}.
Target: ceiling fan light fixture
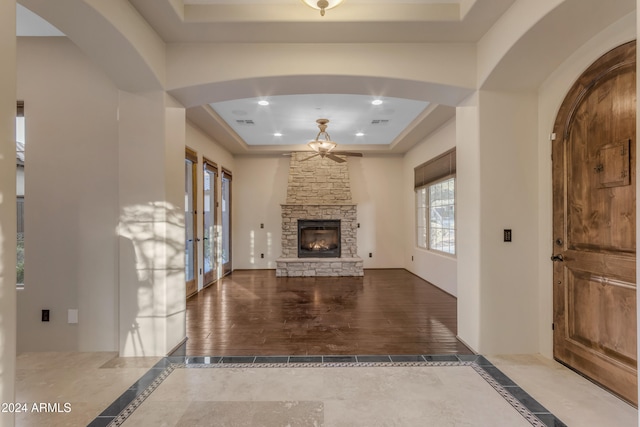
{"x": 323, "y": 143}
{"x": 322, "y": 5}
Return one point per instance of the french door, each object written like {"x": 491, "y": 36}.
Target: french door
{"x": 191, "y": 264}
{"x": 226, "y": 222}
{"x": 210, "y": 241}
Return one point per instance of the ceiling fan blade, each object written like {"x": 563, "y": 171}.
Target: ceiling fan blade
{"x": 347, "y": 153}
{"x": 335, "y": 158}
{"x": 310, "y": 157}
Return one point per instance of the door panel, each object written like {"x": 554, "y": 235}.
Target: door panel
{"x": 210, "y": 197}
{"x": 226, "y": 222}
{"x": 594, "y": 225}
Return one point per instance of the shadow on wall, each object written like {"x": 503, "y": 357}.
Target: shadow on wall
{"x": 152, "y": 279}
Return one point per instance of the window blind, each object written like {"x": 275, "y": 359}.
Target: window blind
{"x": 435, "y": 169}
{"x": 191, "y": 155}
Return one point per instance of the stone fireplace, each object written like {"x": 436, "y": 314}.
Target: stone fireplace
{"x": 319, "y": 221}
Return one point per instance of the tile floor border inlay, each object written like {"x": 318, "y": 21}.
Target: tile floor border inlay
{"x": 118, "y": 412}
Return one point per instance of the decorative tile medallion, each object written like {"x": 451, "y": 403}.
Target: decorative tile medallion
{"x": 116, "y": 414}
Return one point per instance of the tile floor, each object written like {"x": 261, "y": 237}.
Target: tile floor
{"x": 394, "y": 396}
{"x": 89, "y": 382}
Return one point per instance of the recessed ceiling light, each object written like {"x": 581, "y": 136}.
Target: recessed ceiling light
{"x": 360, "y": 134}
{"x": 376, "y": 102}
{"x": 277, "y": 134}
{"x": 263, "y": 103}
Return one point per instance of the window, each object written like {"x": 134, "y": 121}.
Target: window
{"x": 20, "y": 139}
{"x": 435, "y": 204}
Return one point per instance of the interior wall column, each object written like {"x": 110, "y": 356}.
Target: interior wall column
{"x": 468, "y": 204}
{"x": 497, "y": 190}
{"x": 151, "y": 229}
{"x": 8, "y": 226}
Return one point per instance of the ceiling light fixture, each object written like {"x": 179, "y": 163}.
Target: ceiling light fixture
{"x": 263, "y": 103}
{"x": 277, "y": 134}
{"x": 322, "y": 5}
{"x": 325, "y": 145}
{"x": 376, "y": 102}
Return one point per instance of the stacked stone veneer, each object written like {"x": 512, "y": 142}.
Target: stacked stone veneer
{"x": 319, "y": 189}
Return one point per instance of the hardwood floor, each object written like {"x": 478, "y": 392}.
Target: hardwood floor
{"x": 251, "y": 312}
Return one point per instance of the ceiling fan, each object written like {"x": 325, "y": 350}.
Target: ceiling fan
{"x": 325, "y": 147}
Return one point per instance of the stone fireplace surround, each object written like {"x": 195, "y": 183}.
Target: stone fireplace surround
{"x": 319, "y": 189}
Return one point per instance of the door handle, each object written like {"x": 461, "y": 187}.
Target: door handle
{"x": 558, "y": 258}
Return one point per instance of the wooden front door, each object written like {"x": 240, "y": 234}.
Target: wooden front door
{"x": 594, "y": 217}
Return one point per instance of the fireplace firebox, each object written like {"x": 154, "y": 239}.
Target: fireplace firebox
{"x": 318, "y": 238}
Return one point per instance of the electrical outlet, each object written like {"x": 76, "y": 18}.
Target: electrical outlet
{"x": 45, "y": 315}
{"x": 370, "y": 255}
{"x": 261, "y": 255}
{"x": 507, "y": 235}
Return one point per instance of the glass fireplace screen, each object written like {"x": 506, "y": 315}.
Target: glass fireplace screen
{"x": 318, "y": 238}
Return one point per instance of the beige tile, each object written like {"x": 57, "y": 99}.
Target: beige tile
{"x": 570, "y": 397}
{"x": 380, "y": 396}
{"x": 358, "y": 396}
{"x": 81, "y": 414}
{"x": 131, "y": 362}
{"x": 75, "y": 378}
{"x": 239, "y": 384}
{"x": 253, "y": 414}
{"x": 158, "y": 414}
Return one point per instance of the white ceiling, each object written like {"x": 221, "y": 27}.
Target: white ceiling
{"x": 401, "y": 123}
{"x": 294, "y": 118}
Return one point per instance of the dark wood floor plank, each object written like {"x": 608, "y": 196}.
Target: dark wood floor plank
{"x": 385, "y": 312}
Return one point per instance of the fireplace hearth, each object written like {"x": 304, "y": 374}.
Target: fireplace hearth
{"x": 318, "y": 238}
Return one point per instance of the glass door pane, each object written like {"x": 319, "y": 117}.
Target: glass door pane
{"x": 209, "y": 223}
{"x": 226, "y": 223}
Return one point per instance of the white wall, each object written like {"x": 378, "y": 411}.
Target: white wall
{"x": 508, "y": 200}
{"x": 468, "y": 221}
{"x": 436, "y": 268}
{"x": 151, "y": 302}
{"x": 72, "y": 208}
{"x": 376, "y": 184}
{"x": 260, "y": 188}
{"x": 497, "y": 188}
